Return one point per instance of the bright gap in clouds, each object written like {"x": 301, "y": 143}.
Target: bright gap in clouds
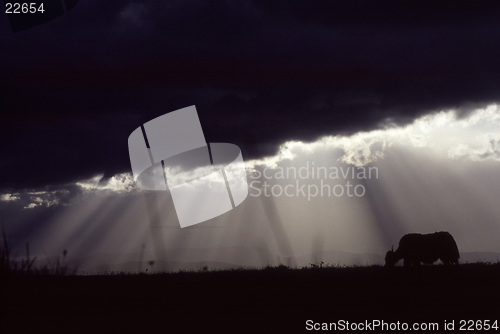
{"x": 440, "y": 172}
{"x": 475, "y": 137}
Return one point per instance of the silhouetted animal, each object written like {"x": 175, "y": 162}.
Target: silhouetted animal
{"x": 415, "y": 248}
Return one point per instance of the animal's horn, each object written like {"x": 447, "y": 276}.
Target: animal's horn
{"x": 392, "y": 248}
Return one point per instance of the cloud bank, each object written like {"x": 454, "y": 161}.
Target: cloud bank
{"x": 438, "y": 172}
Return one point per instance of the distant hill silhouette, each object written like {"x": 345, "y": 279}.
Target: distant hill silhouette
{"x": 110, "y": 262}
{"x": 474, "y": 257}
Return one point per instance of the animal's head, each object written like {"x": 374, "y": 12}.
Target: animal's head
{"x": 390, "y": 258}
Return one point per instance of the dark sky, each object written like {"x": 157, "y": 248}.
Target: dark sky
{"x": 259, "y": 72}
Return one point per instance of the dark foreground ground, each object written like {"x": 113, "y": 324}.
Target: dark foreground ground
{"x": 277, "y": 300}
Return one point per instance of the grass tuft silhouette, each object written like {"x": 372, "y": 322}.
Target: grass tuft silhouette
{"x": 11, "y": 268}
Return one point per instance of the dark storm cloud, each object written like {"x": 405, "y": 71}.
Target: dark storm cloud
{"x": 259, "y": 72}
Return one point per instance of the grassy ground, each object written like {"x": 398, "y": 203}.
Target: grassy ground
{"x": 274, "y": 300}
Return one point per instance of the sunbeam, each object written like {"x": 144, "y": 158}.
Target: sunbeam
{"x": 340, "y": 199}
